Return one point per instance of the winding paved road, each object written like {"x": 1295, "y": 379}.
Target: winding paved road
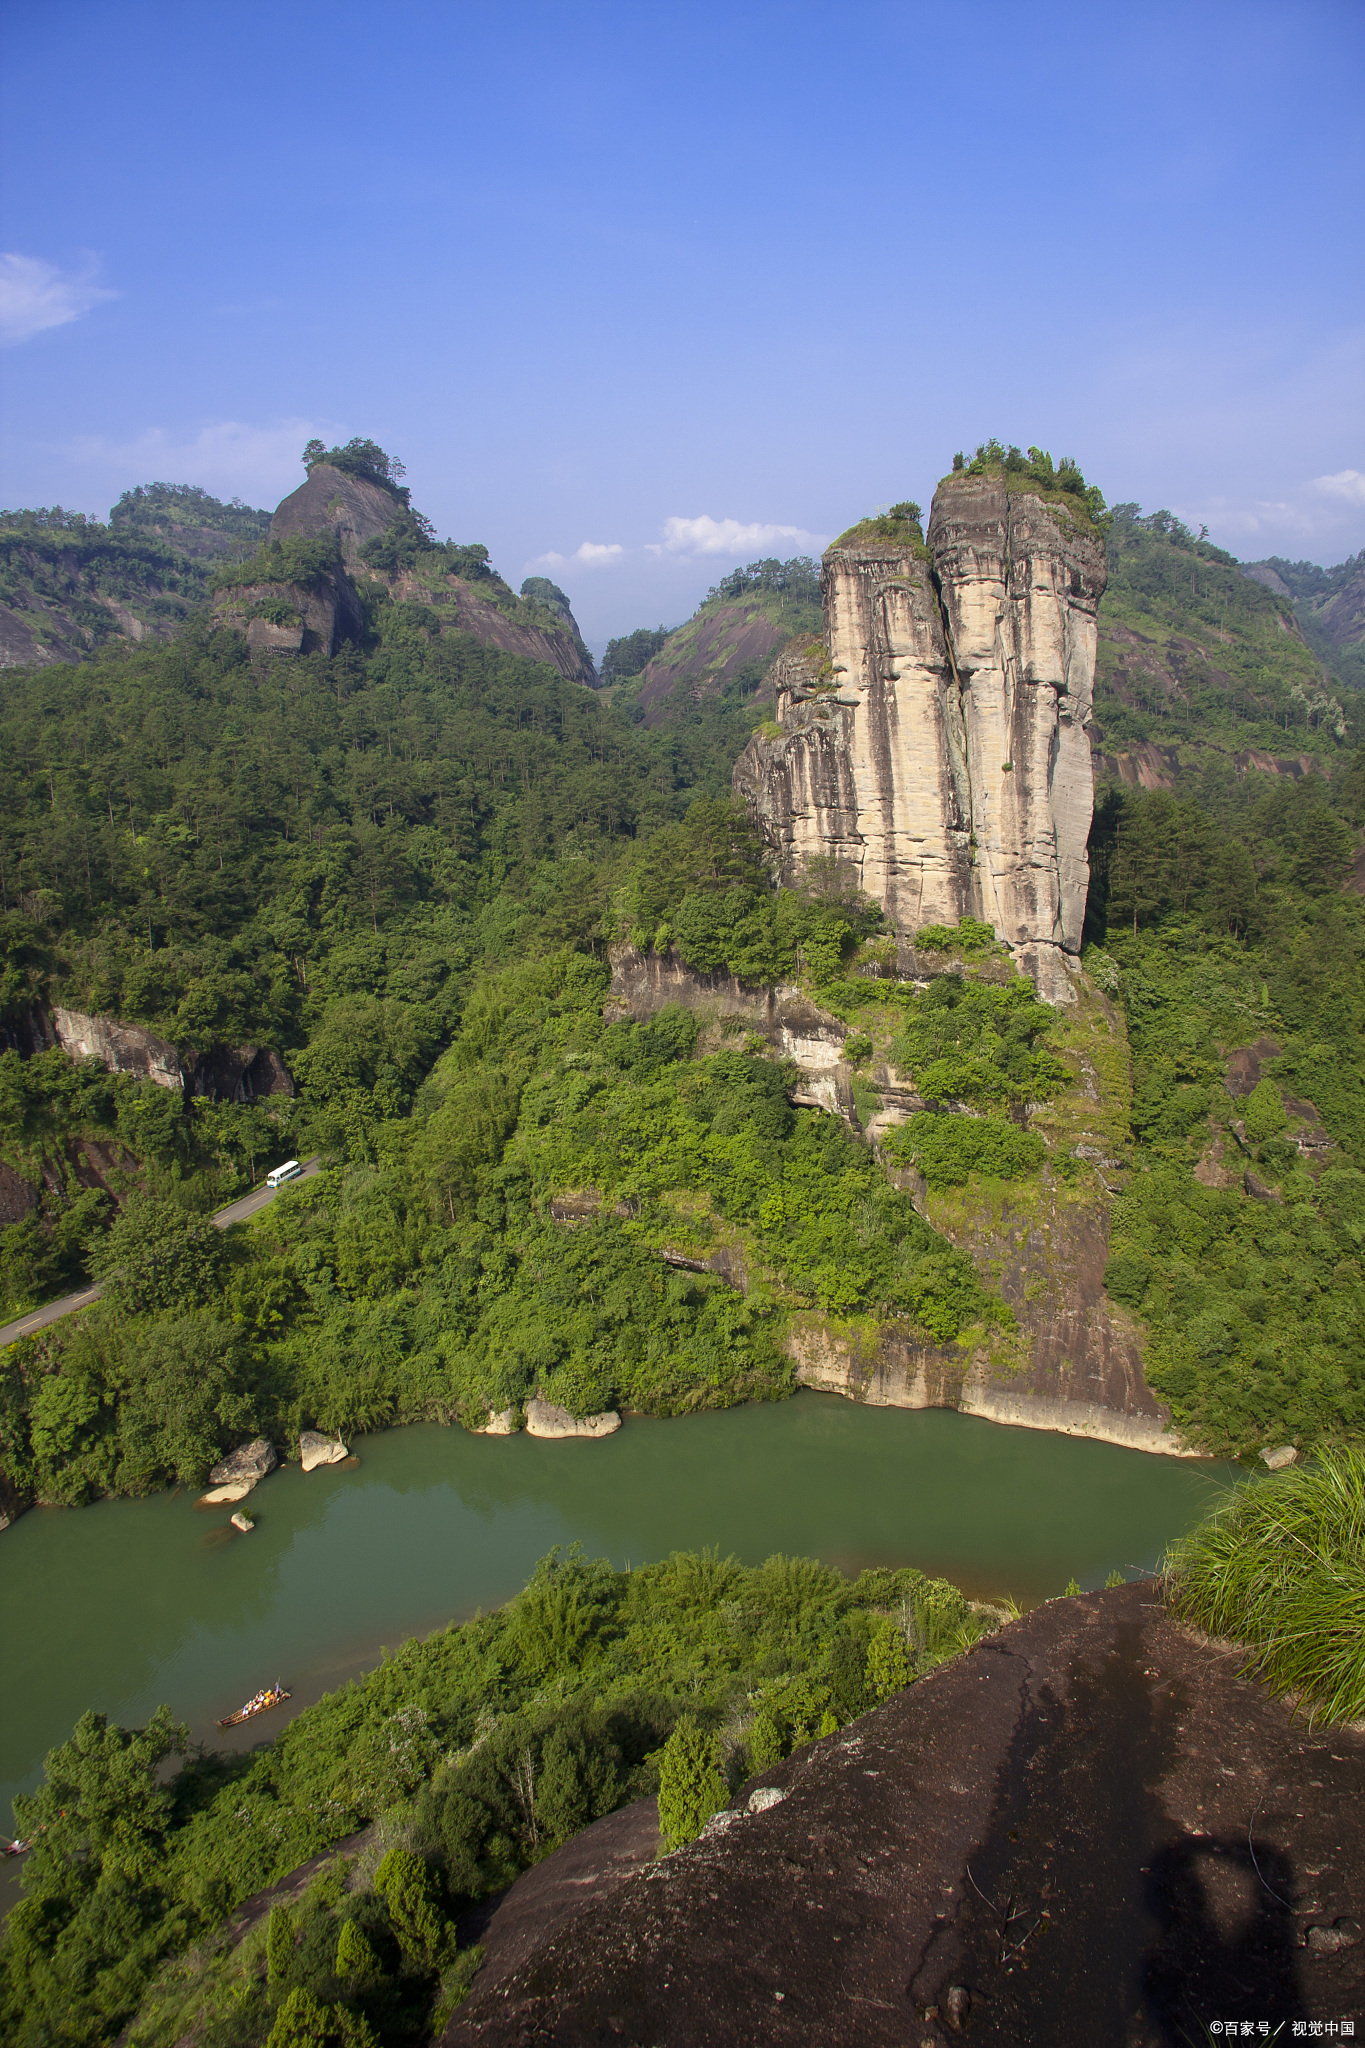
{"x": 235, "y": 1212}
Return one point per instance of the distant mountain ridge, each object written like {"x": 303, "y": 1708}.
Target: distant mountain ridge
{"x": 1201, "y": 661}
{"x": 69, "y": 585}
{"x": 1329, "y": 605}
{"x": 728, "y": 643}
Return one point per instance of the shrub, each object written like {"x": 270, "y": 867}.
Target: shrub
{"x": 949, "y": 1149}
{"x": 357, "y": 1963}
{"x": 1264, "y": 1113}
{"x": 279, "y": 1945}
{"x": 691, "y": 1786}
{"x": 1280, "y": 1567}
{"x": 302, "y": 2022}
{"x": 888, "y": 1662}
{"x": 405, "y": 1883}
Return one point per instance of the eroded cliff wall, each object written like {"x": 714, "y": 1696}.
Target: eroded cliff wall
{"x": 937, "y": 745}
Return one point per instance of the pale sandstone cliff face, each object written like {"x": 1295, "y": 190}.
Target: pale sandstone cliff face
{"x": 943, "y": 754}
{"x": 1021, "y": 586}
{"x": 222, "y": 1073}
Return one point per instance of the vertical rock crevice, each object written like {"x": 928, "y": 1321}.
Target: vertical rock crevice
{"x": 940, "y": 752}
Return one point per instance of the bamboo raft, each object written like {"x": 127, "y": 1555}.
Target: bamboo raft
{"x": 273, "y": 1696}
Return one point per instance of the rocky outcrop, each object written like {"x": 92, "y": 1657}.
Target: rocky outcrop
{"x": 1088, "y": 1829}
{"x": 501, "y": 1422}
{"x": 315, "y": 1450}
{"x": 1075, "y": 1366}
{"x": 242, "y": 1073}
{"x": 796, "y": 1028}
{"x": 294, "y": 618}
{"x": 253, "y": 1461}
{"x": 332, "y": 502}
{"x": 936, "y": 745}
{"x": 548, "y": 1419}
{"x": 122, "y": 1048}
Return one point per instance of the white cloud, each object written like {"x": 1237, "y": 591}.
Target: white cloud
{"x": 707, "y": 536}
{"x": 35, "y": 295}
{"x": 1346, "y": 483}
{"x": 590, "y": 554}
{"x": 228, "y": 457}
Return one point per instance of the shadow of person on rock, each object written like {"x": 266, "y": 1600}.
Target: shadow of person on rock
{"x": 1196, "y": 1971}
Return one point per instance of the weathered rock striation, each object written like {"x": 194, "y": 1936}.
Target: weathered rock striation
{"x": 937, "y": 745}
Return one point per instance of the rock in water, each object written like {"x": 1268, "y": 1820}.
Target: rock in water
{"x": 250, "y": 1462}
{"x": 243, "y": 1522}
{"x": 315, "y": 1450}
{"x": 219, "y": 1496}
{"x": 501, "y": 1422}
{"x": 546, "y": 1418}
{"x": 937, "y": 745}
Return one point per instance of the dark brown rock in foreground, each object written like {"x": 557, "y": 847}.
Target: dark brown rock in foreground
{"x": 1087, "y": 1831}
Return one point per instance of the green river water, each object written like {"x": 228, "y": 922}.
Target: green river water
{"x": 129, "y": 1603}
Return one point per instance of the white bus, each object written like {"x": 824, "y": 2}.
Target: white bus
{"x": 289, "y": 1171}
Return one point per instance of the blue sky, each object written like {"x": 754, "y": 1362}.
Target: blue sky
{"x": 637, "y": 291}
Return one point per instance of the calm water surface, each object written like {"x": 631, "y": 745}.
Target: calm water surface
{"x": 130, "y": 1603}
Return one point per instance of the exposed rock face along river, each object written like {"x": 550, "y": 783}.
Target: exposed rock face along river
{"x": 130, "y": 1603}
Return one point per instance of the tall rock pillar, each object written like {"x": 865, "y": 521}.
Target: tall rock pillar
{"x": 871, "y": 767}
{"x": 1021, "y": 582}
{"x": 937, "y": 746}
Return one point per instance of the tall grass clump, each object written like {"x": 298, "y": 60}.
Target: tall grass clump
{"x": 1280, "y": 1567}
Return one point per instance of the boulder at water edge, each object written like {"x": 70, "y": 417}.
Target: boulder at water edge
{"x": 249, "y": 1461}
{"x": 501, "y": 1422}
{"x": 546, "y": 1418}
{"x": 1277, "y": 1460}
{"x": 317, "y": 1450}
{"x": 219, "y": 1496}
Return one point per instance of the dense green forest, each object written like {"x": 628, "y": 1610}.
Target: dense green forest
{"x": 475, "y": 1753}
{"x": 1226, "y": 922}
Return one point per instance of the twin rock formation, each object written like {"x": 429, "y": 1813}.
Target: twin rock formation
{"x": 936, "y": 748}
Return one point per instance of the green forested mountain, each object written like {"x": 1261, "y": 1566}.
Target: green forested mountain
{"x": 1198, "y": 663}
{"x": 721, "y": 654}
{"x": 1329, "y": 605}
{"x": 71, "y": 585}
{"x": 400, "y": 869}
